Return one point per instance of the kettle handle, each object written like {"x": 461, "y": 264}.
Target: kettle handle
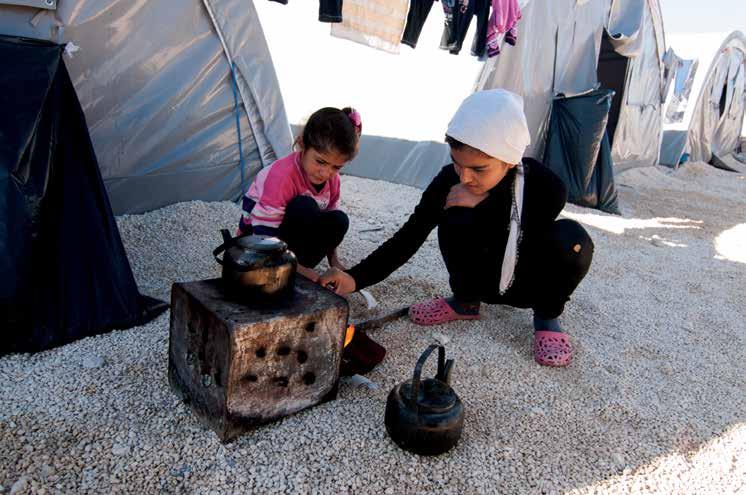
{"x": 227, "y": 241}
{"x": 418, "y": 371}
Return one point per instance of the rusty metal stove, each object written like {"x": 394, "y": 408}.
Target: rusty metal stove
{"x": 239, "y": 366}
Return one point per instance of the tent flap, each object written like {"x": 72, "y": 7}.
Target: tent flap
{"x": 64, "y": 273}
{"x": 625, "y": 26}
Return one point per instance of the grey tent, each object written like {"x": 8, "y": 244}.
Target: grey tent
{"x": 155, "y": 82}
{"x": 713, "y": 125}
{"x": 569, "y": 47}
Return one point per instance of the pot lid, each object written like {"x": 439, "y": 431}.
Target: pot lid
{"x": 262, "y": 243}
{"x": 434, "y": 395}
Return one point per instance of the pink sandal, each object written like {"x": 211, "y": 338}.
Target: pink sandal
{"x": 435, "y": 312}
{"x": 552, "y": 348}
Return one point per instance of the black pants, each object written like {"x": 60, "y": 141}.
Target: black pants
{"x": 457, "y": 25}
{"x": 550, "y": 265}
{"x": 330, "y": 10}
{"x": 311, "y": 233}
{"x": 418, "y": 12}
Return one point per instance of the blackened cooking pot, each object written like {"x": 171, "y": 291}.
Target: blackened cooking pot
{"x": 256, "y": 268}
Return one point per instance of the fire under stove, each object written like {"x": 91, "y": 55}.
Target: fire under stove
{"x": 239, "y": 366}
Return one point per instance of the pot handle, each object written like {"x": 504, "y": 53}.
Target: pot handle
{"x": 418, "y": 371}
{"x": 227, "y": 241}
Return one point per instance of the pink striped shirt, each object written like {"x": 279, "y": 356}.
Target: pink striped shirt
{"x": 276, "y": 185}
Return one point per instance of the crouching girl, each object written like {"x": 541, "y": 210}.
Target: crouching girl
{"x": 296, "y": 198}
{"x": 496, "y": 214}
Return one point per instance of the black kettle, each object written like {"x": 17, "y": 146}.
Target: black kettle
{"x": 256, "y": 268}
{"x": 426, "y": 416}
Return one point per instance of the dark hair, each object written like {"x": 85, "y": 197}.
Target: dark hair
{"x": 455, "y": 144}
{"x": 330, "y": 129}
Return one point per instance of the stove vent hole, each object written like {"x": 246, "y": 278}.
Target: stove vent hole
{"x": 302, "y": 357}
{"x": 261, "y": 352}
{"x": 311, "y": 327}
{"x": 283, "y": 351}
{"x": 281, "y": 381}
{"x": 309, "y": 378}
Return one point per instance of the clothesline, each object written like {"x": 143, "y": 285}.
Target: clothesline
{"x": 387, "y": 24}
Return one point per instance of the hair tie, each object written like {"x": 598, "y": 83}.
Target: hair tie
{"x": 356, "y": 120}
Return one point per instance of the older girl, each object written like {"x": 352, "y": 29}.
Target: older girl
{"x": 496, "y": 214}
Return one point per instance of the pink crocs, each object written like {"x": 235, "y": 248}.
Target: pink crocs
{"x": 435, "y": 312}
{"x": 552, "y": 348}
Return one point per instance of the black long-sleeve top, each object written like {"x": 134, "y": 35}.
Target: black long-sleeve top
{"x": 544, "y": 197}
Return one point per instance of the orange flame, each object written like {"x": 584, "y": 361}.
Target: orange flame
{"x": 349, "y": 334}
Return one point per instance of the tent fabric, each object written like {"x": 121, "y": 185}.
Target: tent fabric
{"x": 673, "y": 147}
{"x": 671, "y": 63}
{"x": 636, "y": 139}
{"x": 412, "y": 163}
{"x": 713, "y": 125}
{"x": 64, "y": 273}
{"x": 625, "y": 26}
{"x": 578, "y": 151}
{"x": 158, "y": 94}
{"x": 561, "y": 45}
{"x": 712, "y": 131}
{"x": 682, "y": 89}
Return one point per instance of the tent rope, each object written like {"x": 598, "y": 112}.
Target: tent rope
{"x": 241, "y": 163}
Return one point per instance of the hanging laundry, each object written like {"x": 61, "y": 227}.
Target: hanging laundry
{"x": 458, "y": 15}
{"x": 511, "y": 37}
{"x": 330, "y": 10}
{"x": 376, "y": 23}
{"x": 449, "y": 7}
{"x": 479, "y": 43}
{"x": 418, "y": 12}
{"x": 505, "y": 15}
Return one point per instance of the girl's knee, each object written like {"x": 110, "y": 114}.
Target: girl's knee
{"x": 573, "y": 244}
{"x": 301, "y": 203}
{"x": 338, "y": 222}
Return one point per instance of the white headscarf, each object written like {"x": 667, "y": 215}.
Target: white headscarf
{"x": 493, "y": 122}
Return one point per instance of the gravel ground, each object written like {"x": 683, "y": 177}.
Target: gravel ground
{"x": 654, "y": 401}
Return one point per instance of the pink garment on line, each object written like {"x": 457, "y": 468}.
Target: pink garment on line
{"x": 505, "y": 15}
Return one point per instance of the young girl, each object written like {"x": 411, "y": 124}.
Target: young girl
{"x": 296, "y": 197}
{"x": 497, "y": 229}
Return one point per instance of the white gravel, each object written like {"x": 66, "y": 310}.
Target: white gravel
{"x": 655, "y": 400}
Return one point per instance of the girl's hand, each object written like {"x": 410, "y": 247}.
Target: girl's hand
{"x": 338, "y": 281}
{"x": 334, "y": 261}
{"x": 460, "y": 195}
{"x": 308, "y": 273}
